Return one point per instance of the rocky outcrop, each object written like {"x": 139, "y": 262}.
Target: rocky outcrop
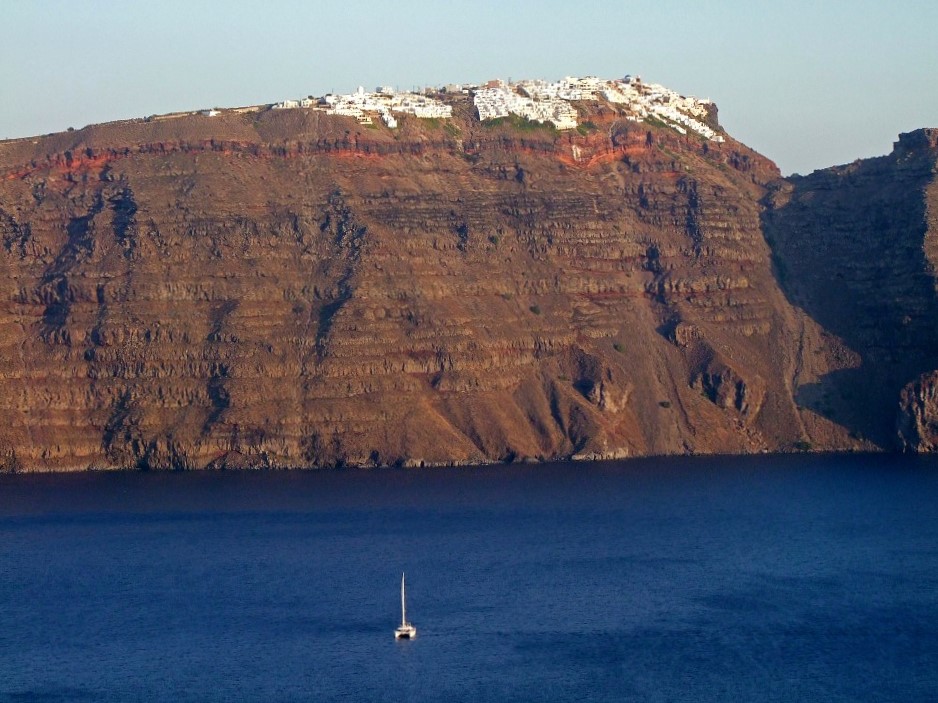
{"x": 917, "y": 424}
{"x": 289, "y": 289}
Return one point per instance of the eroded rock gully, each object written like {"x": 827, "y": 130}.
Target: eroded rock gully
{"x": 289, "y": 289}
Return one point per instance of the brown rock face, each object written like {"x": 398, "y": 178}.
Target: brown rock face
{"x": 856, "y": 247}
{"x": 292, "y": 289}
{"x": 918, "y": 414}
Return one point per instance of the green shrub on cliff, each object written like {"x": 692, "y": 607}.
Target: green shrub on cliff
{"x": 521, "y": 123}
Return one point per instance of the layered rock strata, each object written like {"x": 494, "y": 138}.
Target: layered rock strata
{"x": 292, "y": 289}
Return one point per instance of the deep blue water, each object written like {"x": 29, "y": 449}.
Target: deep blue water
{"x": 756, "y": 579}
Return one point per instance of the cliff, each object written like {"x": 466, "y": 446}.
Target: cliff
{"x": 856, "y": 248}
{"x": 292, "y": 289}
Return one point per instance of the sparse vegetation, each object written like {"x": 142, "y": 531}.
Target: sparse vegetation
{"x": 521, "y": 123}
{"x": 494, "y": 239}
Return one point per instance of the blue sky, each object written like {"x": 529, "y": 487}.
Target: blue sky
{"x": 808, "y": 84}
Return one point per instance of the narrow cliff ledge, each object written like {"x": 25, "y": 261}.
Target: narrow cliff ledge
{"x": 291, "y": 289}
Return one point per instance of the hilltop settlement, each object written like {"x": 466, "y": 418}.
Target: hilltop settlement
{"x": 536, "y": 100}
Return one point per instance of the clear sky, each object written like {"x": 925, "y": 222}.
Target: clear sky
{"x": 807, "y": 83}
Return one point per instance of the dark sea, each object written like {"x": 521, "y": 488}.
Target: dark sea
{"x": 798, "y": 578}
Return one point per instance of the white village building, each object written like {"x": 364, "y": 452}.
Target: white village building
{"x": 538, "y": 100}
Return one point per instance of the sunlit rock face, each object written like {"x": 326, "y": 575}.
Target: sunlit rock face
{"x": 287, "y": 288}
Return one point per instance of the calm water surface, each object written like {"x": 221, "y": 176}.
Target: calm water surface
{"x": 760, "y": 579}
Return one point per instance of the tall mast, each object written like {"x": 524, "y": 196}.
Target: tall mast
{"x": 403, "y": 607}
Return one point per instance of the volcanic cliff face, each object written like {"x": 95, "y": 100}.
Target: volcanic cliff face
{"x": 288, "y": 288}
{"x": 856, "y": 247}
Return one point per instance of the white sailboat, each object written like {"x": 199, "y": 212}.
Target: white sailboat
{"x": 406, "y": 631}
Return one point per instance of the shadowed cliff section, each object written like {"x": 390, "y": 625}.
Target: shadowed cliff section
{"x": 295, "y": 290}
{"x": 854, "y": 247}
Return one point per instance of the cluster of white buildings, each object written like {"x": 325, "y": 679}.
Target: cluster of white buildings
{"x": 536, "y": 100}
{"x": 677, "y": 111}
{"x": 502, "y": 100}
{"x": 290, "y": 104}
{"x": 551, "y": 102}
{"x": 384, "y": 101}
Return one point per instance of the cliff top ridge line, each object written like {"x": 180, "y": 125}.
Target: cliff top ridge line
{"x": 554, "y": 103}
